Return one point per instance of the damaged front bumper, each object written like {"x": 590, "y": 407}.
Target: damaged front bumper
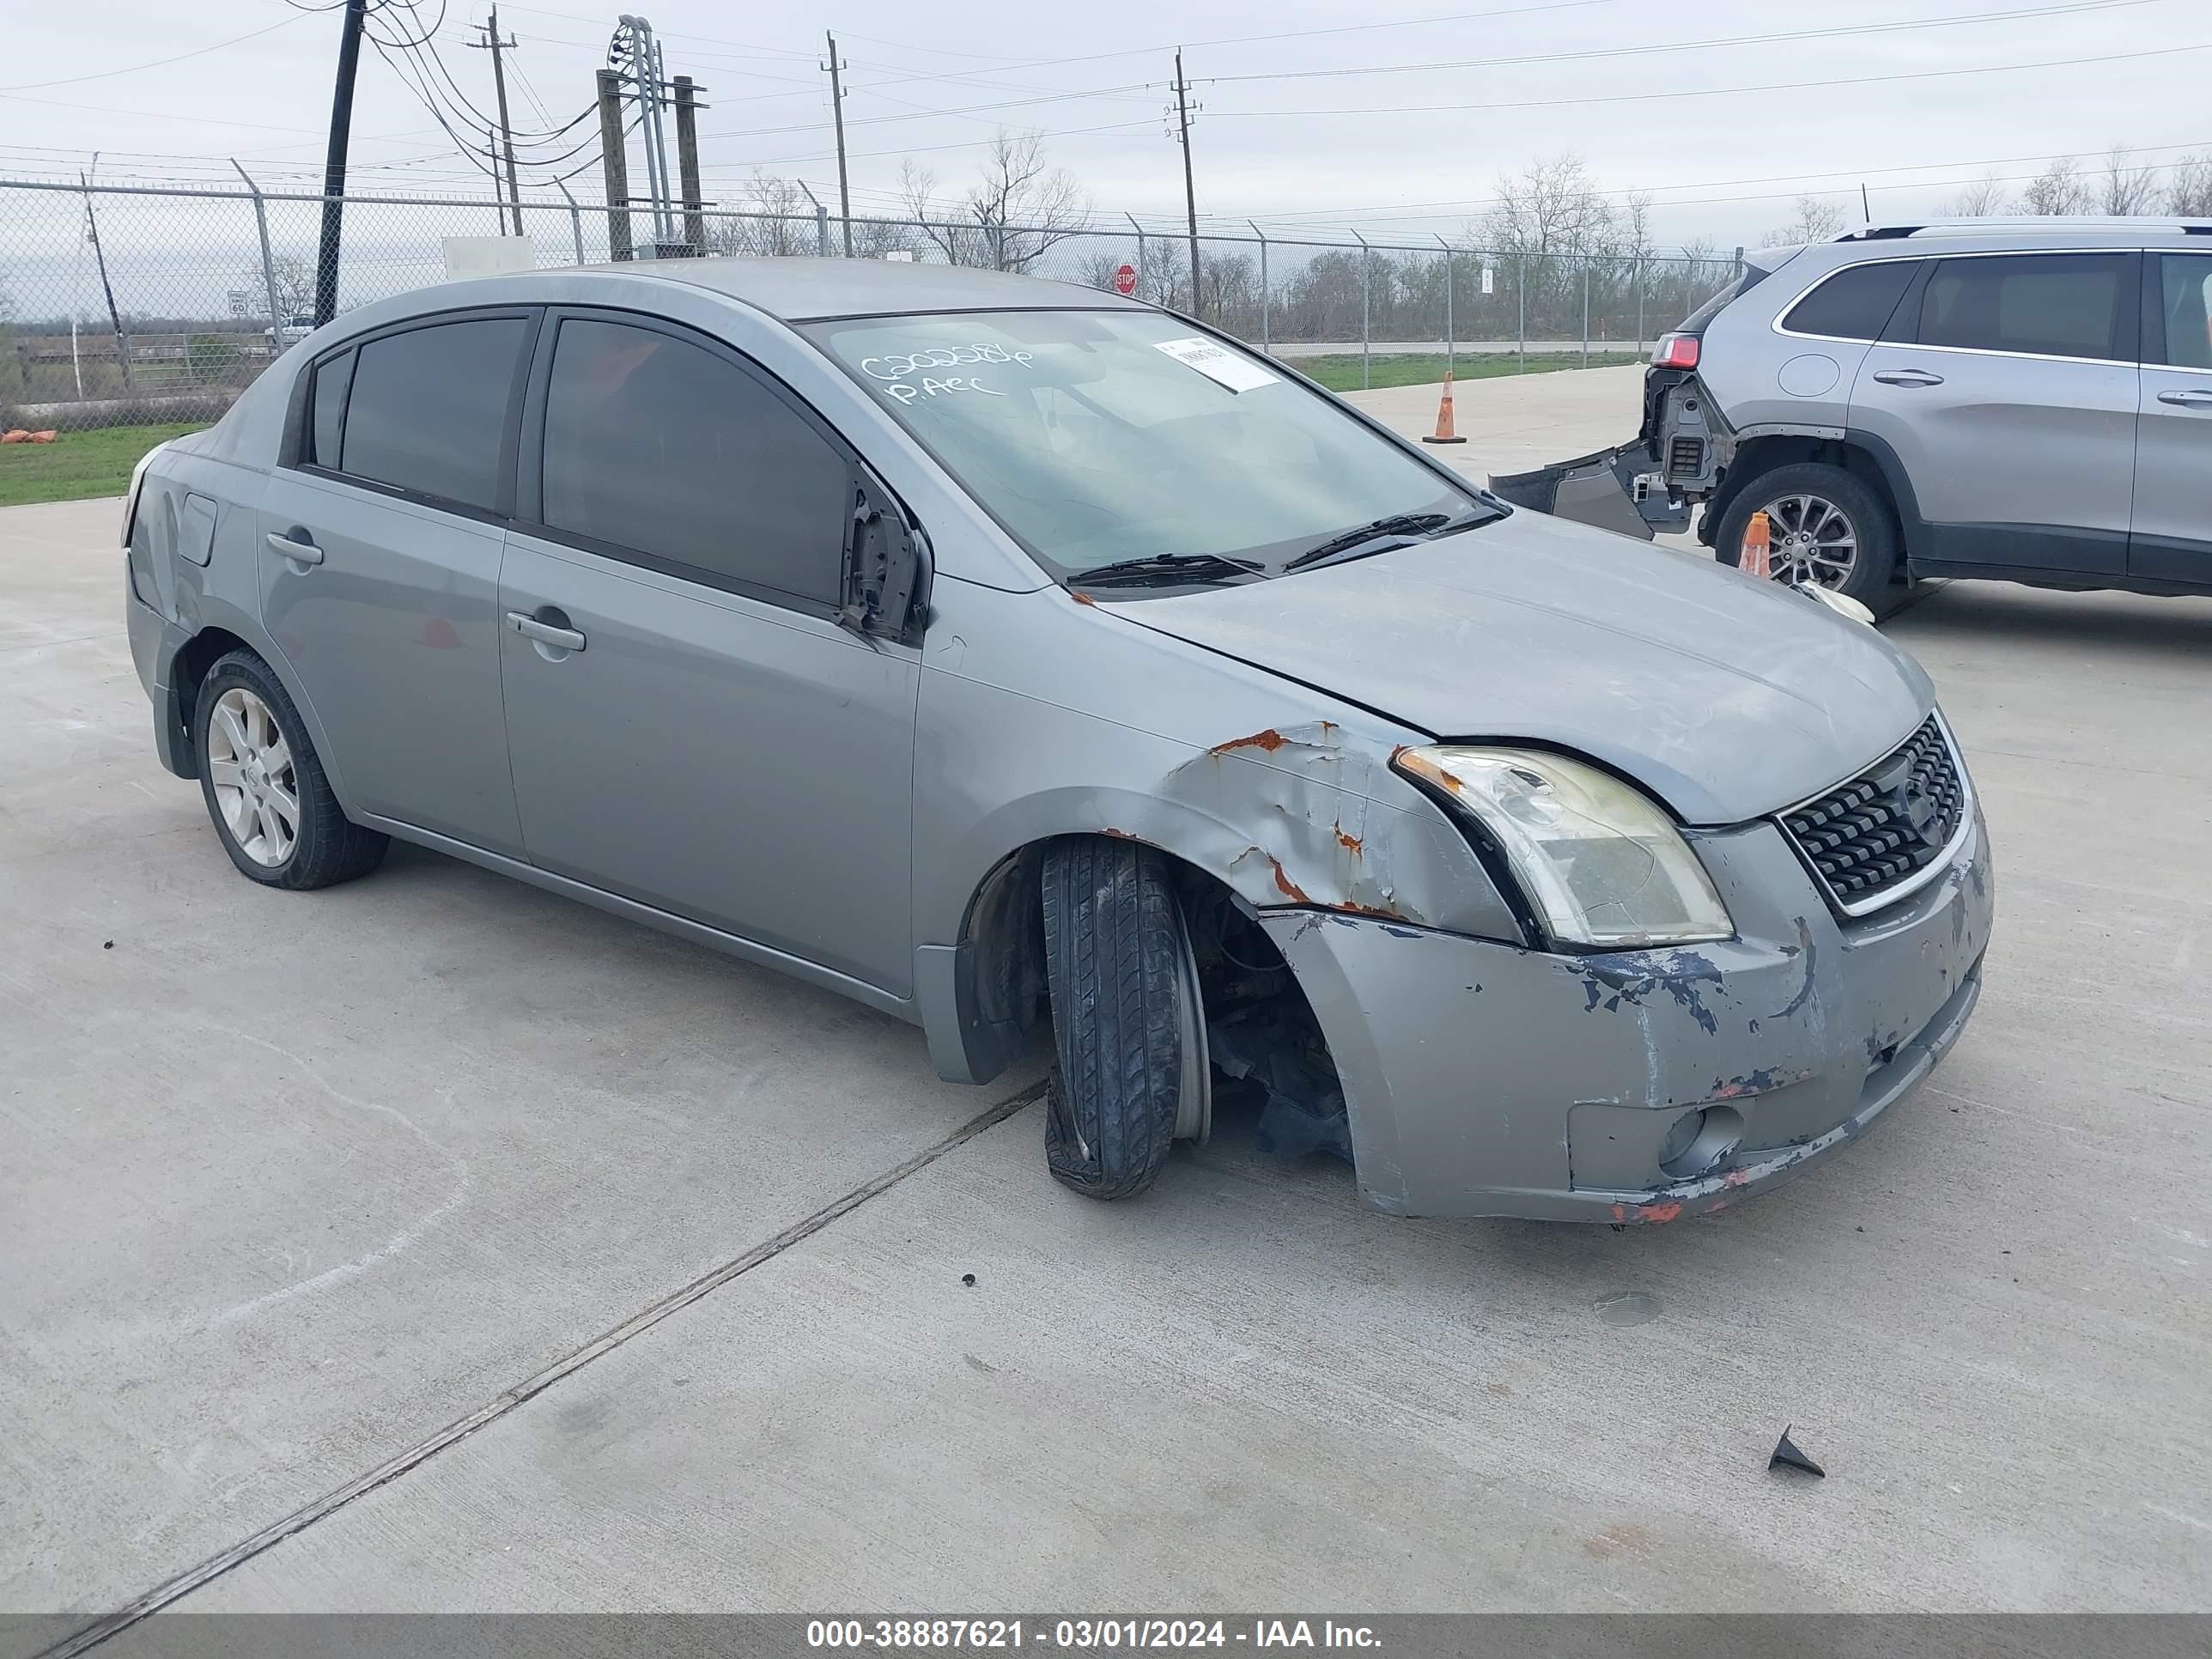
{"x": 1485, "y": 1080}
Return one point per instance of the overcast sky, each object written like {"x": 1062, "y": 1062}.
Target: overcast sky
{"x": 1390, "y": 115}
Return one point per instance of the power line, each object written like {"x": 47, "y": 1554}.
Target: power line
{"x": 1838, "y": 30}
{"x": 877, "y": 120}
{"x": 158, "y": 62}
{"x": 1718, "y": 92}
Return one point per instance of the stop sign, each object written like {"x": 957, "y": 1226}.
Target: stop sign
{"x": 1125, "y": 279}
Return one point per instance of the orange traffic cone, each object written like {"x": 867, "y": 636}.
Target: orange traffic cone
{"x": 1758, "y": 545}
{"x": 1444, "y": 434}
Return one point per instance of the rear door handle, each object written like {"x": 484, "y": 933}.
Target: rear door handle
{"x": 299, "y": 552}
{"x": 562, "y": 639}
{"x": 2189, "y": 399}
{"x": 1907, "y": 377}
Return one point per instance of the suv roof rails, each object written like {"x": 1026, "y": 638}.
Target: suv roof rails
{"x": 2011, "y": 224}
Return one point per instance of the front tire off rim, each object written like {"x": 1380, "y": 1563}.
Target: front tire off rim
{"x": 1810, "y": 540}
{"x": 250, "y": 765}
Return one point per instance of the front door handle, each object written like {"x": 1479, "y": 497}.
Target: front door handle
{"x": 2189, "y": 399}
{"x": 561, "y": 639}
{"x": 1907, "y": 377}
{"x": 298, "y": 551}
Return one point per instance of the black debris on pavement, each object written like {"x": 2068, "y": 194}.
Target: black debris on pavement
{"x": 1787, "y": 1456}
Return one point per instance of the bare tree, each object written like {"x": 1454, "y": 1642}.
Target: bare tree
{"x": 1552, "y": 206}
{"x": 2125, "y": 189}
{"x": 779, "y": 222}
{"x": 1979, "y": 199}
{"x": 1635, "y": 226}
{"x": 874, "y": 239}
{"x": 1018, "y": 207}
{"x": 294, "y": 281}
{"x": 2058, "y": 189}
{"x": 2189, "y": 192}
{"x": 1817, "y": 219}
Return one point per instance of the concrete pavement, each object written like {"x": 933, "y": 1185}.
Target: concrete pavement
{"x": 294, "y": 1182}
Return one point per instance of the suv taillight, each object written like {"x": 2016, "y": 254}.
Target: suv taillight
{"x": 1676, "y": 351}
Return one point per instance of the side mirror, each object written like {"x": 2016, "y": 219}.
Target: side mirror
{"x": 886, "y": 573}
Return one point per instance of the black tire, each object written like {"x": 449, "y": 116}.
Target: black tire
{"x": 1871, "y": 521}
{"x": 328, "y": 847}
{"x": 1114, "y": 954}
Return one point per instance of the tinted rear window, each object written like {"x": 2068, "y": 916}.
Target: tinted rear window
{"x": 2054, "y": 305}
{"x": 1855, "y": 302}
{"x": 428, "y": 409}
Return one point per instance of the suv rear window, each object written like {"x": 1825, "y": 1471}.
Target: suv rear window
{"x": 2051, "y": 304}
{"x": 1855, "y": 303}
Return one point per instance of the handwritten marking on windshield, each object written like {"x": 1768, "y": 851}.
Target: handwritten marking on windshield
{"x": 897, "y": 366}
{"x": 932, "y": 388}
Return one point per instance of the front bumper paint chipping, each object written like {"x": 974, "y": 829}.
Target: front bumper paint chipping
{"x": 1482, "y": 1078}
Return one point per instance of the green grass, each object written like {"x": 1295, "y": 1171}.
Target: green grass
{"x": 1342, "y": 373}
{"x": 77, "y": 464}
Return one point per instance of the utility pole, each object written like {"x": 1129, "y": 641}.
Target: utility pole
{"x": 614, "y": 159}
{"x": 334, "y": 163}
{"x": 837, "y": 114}
{"x": 495, "y": 45}
{"x": 1189, "y": 189}
{"x": 114, "y": 316}
{"x": 687, "y": 165}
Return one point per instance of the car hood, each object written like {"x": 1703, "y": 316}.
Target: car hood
{"x": 1729, "y": 698}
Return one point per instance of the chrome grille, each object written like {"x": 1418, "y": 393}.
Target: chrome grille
{"x": 1868, "y": 837}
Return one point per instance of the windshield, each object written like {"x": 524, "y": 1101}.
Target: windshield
{"x": 1101, "y": 438}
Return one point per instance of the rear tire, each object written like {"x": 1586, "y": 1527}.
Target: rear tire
{"x": 1117, "y": 964}
{"x": 1835, "y": 494}
{"x": 261, "y": 778}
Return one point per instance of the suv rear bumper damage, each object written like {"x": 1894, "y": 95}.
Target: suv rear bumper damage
{"x": 1483, "y": 1079}
{"x": 1650, "y": 486}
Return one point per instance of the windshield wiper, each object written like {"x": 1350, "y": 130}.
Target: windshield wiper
{"x": 1396, "y": 531}
{"x": 1164, "y": 568}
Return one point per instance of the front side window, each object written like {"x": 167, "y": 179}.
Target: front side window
{"x": 1855, "y": 303}
{"x": 2053, "y": 305}
{"x": 663, "y": 448}
{"x": 427, "y": 410}
{"x": 1097, "y": 438}
{"x": 2185, "y": 304}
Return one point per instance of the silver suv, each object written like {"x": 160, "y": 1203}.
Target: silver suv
{"x": 2027, "y": 399}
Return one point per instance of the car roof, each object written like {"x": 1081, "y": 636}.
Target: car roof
{"x": 808, "y": 290}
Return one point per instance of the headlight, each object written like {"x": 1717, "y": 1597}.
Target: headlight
{"x": 1602, "y": 865}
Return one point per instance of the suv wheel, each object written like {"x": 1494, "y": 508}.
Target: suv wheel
{"x": 272, "y": 806}
{"x": 1127, "y": 1023}
{"x": 1823, "y": 525}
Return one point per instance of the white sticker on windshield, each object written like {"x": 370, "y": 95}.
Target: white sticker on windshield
{"x": 1217, "y": 363}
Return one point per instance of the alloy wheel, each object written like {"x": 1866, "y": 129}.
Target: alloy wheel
{"x": 1810, "y": 540}
{"x": 256, "y": 790}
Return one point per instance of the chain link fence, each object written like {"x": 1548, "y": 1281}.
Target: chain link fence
{"x": 127, "y": 306}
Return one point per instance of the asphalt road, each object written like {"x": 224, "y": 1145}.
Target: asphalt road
{"x": 290, "y": 1186}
